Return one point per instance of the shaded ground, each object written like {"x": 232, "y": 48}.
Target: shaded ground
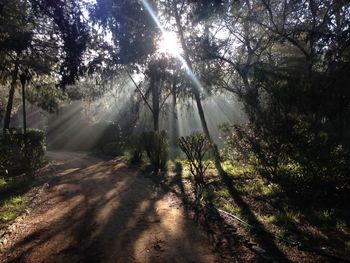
{"x": 102, "y": 211}
{"x": 287, "y": 230}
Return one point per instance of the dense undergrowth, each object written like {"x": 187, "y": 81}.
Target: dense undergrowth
{"x": 281, "y": 207}
{"x": 21, "y": 153}
{"x": 271, "y": 210}
{"x": 20, "y": 158}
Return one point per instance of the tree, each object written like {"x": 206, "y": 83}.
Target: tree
{"x": 196, "y": 148}
{"x": 30, "y": 42}
{"x": 67, "y": 22}
{"x": 15, "y": 37}
{"x": 286, "y": 62}
{"x": 177, "y": 11}
{"x": 132, "y": 28}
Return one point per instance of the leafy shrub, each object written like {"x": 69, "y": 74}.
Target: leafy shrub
{"x": 112, "y": 149}
{"x": 15, "y": 158}
{"x": 196, "y": 147}
{"x": 235, "y": 148}
{"x": 136, "y": 148}
{"x": 108, "y": 133}
{"x": 35, "y": 148}
{"x": 305, "y": 163}
{"x": 156, "y": 148}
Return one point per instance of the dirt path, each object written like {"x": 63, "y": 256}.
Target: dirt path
{"x": 103, "y": 211}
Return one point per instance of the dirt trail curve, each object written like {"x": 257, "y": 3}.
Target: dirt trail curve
{"x": 103, "y": 211}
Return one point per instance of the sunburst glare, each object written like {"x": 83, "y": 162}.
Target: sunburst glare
{"x": 169, "y": 44}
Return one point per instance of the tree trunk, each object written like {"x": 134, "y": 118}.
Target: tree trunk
{"x": 23, "y": 83}
{"x": 174, "y": 126}
{"x": 155, "y": 82}
{"x": 196, "y": 93}
{"x": 155, "y": 102}
{"x": 10, "y": 99}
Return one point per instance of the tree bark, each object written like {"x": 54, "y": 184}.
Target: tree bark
{"x": 25, "y": 141}
{"x": 196, "y": 93}
{"x": 23, "y": 83}
{"x": 10, "y": 99}
{"x": 155, "y": 101}
{"x": 174, "y": 127}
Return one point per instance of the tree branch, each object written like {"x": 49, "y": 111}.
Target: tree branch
{"x": 141, "y": 93}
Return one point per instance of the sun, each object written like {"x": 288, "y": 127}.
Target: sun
{"x": 169, "y": 44}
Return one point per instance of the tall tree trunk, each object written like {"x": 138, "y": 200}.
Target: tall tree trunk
{"x": 155, "y": 82}
{"x": 197, "y": 97}
{"x": 174, "y": 126}
{"x": 341, "y": 104}
{"x": 155, "y": 101}
{"x": 23, "y": 83}
{"x": 10, "y": 99}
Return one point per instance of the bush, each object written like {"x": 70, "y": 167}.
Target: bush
{"x": 108, "y": 138}
{"x": 306, "y": 164}
{"x": 15, "y": 158}
{"x": 136, "y": 148}
{"x": 112, "y": 149}
{"x": 156, "y": 147}
{"x": 108, "y": 133}
{"x": 235, "y": 148}
{"x": 196, "y": 147}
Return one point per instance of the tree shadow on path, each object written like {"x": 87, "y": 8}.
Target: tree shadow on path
{"x": 265, "y": 239}
{"x": 223, "y": 236}
{"x": 106, "y": 212}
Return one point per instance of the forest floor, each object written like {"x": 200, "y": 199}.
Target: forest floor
{"x": 266, "y": 219}
{"x": 96, "y": 210}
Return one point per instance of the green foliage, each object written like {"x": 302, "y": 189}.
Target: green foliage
{"x": 11, "y": 208}
{"x": 156, "y": 147}
{"x": 46, "y": 95}
{"x": 111, "y": 139}
{"x": 112, "y": 149}
{"x": 310, "y": 165}
{"x": 196, "y": 148}
{"x": 73, "y": 31}
{"x": 35, "y": 148}
{"x": 57, "y": 55}
{"x": 2, "y": 182}
{"x": 235, "y": 149}
{"x": 294, "y": 93}
{"x": 15, "y": 158}
{"x": 132, "y": 27}
{"x": 135, "y": 145}
{"x": 15, "y": 195}
{"x": 205, "y": 9}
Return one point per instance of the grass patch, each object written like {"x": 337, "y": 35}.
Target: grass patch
{"x": 235, "y": 210}
{"x": 12, "y": 207}
{"x": 258, "y": 187}
{"x": 184, "y": 166}
{"x": 236, "y": 169}
{"x": 326, "y": 216}
{"x": 223, "y": 193}
{"x": 13, "y": 194}
{"x": 249, "y": 182}
{"x": 3, "y": 182}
